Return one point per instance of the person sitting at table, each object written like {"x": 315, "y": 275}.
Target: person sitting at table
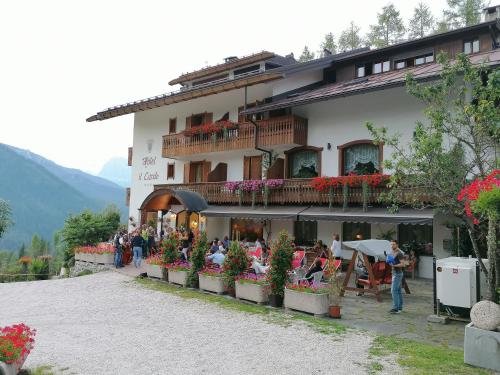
{"x": 225, "y": 242}
{"x": 258, "y": 268}
{"x": 217, "y": 258}
{"x": 220, "y": 247}
{"x": 264, "y": 257}
{"x": 315, "y": 267}
{"x": 258, "y": 244}
{"x": 214, "y": 246}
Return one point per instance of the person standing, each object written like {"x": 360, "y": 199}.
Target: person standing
{"x": 398, "y": 264}
{"x": 137, "y": 244}
{"x": 336, "y": 248}
{"x": 118, "y": 249}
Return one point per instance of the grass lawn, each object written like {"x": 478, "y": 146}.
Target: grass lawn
{"x": 415, "y": 357}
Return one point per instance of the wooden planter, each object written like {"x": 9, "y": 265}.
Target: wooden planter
{"x": 213, "y": 284}
{"x": 178, "y": 277}
{"x": 13, "y": 368}
{"x": 153, "y": 270}
{"x": 253, "y": 292}
{"x": 104, "y": 258}
{"x": 313, "y": 303}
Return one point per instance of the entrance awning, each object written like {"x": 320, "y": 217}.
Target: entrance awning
{"x": 278, "y": 212}
{"x": 161, "y": 199}
{"x": 373, "y": 215}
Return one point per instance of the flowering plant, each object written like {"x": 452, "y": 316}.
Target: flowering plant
{"x": 215, "y": 127}
{"x": 232, "y": 186}
{"x": 352, "y": 180}
{"x": 16, "y": 342}
{"x": 251, "y": 278}
{"x": 169, "y": 249}
{"x": 155, "y": 259}
{"x": 280, "y": 263}
{"x": 25, "y": 259}
{"x": 101, "y": 248}
{"x": 305, "y": 287}
{"x": 212, "y": 271}
{"x": 179, "y": 266}
{"x": 235, "y": 263}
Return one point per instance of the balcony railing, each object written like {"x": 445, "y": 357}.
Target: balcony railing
{"x": 287, "y": 130}
{"x": 293, "y": 191}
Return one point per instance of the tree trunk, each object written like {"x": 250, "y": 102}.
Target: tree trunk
{"x": 470, "y": 229}
{"x": 493, "y": 276}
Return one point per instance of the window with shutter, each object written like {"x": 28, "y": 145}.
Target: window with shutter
{"x": 172, "y": 125}
{"x": 171, "y": 171}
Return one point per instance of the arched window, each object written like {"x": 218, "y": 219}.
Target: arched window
{"x": 360, "y": 157}
{"x": 303, "y": 162}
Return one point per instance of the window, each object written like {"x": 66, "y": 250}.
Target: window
{"x": 172, "y": 125}
{"x": 363, "y": 158}
{"x": 248, "y": 69}
{"x": 356, "y": 231}
{"x": 424, "y": 59}
{"x": 415, "y": 237}
{"x": 386, "y": 66}
{"x": 383, "y": 66}
{"x": 197, "y": 120}
{"x": 170, "y": 171}
{"x": 360, "y": 71}
{"x": 304, "y": 164}
{"x": 249, "y": 229}
{"x": 471, "y": 46}
{"x": 305, "y": 232}
{"x": 401, "y": 64}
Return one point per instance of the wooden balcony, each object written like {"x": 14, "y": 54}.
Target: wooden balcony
{"x": 292, "y": 192}
{"x": 289, "y": 131}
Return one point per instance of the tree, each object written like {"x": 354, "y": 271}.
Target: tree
{"x": 306, "y": 55}
{"x": 442, "y": 26}
{"x": 456, "y": 144}
{"x": 5, "y": 217}
{"x": 328, "y": 44}
{"x": 464, "y": 12}
{"x": 389, "y": 28}
{"x": 200, "y": 248}
{"x": 22, "y": 251}
{"x": 350, "y": 39}
{"x": 38, "y": 246}
{"x": 421, "y": 23}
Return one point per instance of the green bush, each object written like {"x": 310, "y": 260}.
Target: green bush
{"x": 40, "y": 269}
{"x": 197, "y": 258}
{"x": 235, "y": 263}
{"x": 280, "y": 263}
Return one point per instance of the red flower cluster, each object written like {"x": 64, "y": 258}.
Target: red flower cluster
{"x": 101, "y": 248}
{"x": 16, "y": 342}
{"x": 215, "y": 127}
{"x": 352, "y": 180}
{"x": 471, "y": 192}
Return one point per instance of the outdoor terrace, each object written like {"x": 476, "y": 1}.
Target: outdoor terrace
{"x": 286, "y": 131}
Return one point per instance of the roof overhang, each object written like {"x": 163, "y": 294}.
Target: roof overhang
{"x": 168, "y": 99}
{"x": 277, "y": 212}
{"x": 161, "y": 198}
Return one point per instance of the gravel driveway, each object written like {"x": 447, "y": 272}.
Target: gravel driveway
{"x": 107, "y": 324}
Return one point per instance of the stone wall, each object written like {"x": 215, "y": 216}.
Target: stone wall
{"x": 82, "y": 266}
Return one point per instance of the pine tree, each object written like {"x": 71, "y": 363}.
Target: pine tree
{"x": 421, "y": 23}
{"x": 350, "y": 39}
{"x": 22, "y": 251}
{"x": 442, "y": 26}
{"x": 389, "y": 28}
{"x": 328, "y": 44}
{"x": 464, "y": 12}
{"x": 306, "y": 55}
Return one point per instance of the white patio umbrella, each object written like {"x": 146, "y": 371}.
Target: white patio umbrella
{"x": 375, "y": 248}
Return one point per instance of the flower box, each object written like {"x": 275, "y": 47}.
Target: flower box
{"x": 213, "y": 284}
{"x": 313, "y": 303}
{"x": 177, "y": 277}
{"x": 154, "y": 270}
{"x": 252, "y": 292}
{"x": 482, "y": 347}
{"x": 15, "y": 345}
{"x": 13, "y": 368}
{"x": 105, "y": 258}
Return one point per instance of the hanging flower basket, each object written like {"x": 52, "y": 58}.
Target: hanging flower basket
{"x": 217, "y": 127}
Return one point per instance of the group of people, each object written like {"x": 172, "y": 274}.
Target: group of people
{"x": 142, "y": 241}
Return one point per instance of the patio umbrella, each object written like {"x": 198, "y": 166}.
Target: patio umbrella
{"x": 375, "y": 248}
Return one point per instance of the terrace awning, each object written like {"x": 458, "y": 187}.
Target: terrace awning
{"x": 278, "y": 212}
{"x": 373, "y": 215}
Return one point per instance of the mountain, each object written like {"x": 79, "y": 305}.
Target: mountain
{"x": 42, "y": 194}
{"x": 116, "y": 170}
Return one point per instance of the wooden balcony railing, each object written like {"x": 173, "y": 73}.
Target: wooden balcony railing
{"x": 293, "y": 191}
{"x": 287, "y": 130}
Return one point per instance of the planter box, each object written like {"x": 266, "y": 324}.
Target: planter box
{"x": 482, "y": 348}
{"x": 154, "y": 270}
{"x": 253, "y": 292}
{"x": 178, "y": 277}
{"x": 103, "y": 258}
{"x": 312, "y": 303}
{"x": 212, "y": 284}
{"x": 13, "y": 368}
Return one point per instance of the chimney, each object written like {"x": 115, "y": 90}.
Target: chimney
{"x": 491, "y": 13}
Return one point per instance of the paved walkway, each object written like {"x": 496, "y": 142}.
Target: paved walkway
{"x": 105, "y": 323}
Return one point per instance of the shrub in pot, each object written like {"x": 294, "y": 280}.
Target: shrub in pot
{"x": 200, "y": 248}
{"x": 178, "y": 272}
{"x": 334, "y": 289}
{"x": 212, "y": 279}
{"x": 16, "y": 342}
{"x": 280, "y": 264}
{"x": 310, "y": 298}
{"x": 252, "y": 287}
{"x": 236, "y": 262}
{"x": 169, "y": 252}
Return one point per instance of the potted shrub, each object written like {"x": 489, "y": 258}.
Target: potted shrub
{"x": 235, "y": 263}
{"x": 200, "y": 248}
{"x": 252, "y": 287}
{"x": 280, "y": 264}
{"x": 212, "y": 280}
{"x": 169, "y": 252}
{"x": 154, "y": 266}
{"x": 178, "y": 272}
{"x": 16, "y": 342}
{"x": 310, "y": 298}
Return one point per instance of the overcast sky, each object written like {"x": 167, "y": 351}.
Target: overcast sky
{"x": 63, "y": 61}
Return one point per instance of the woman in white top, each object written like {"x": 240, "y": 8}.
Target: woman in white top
{"x": 336, "y": 248}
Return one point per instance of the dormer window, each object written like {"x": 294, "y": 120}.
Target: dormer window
{"x": 401, "y": 64}
{"x": 471, "y": 46}
{"x": 424, "y": 59}
{"x": 360, "y": 71}
{"x": 383, "y": 66}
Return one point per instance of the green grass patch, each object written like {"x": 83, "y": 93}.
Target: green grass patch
{"x": 84, "y": 273}
{"x": 40, "y": 370}
{"x": 324, "y": 326}
{"x": 420, "y": 358}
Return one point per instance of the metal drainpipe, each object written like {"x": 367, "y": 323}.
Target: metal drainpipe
{"x": 269, "y": 153}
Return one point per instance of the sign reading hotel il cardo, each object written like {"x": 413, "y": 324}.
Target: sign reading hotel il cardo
{"x": 148, "y": 172}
